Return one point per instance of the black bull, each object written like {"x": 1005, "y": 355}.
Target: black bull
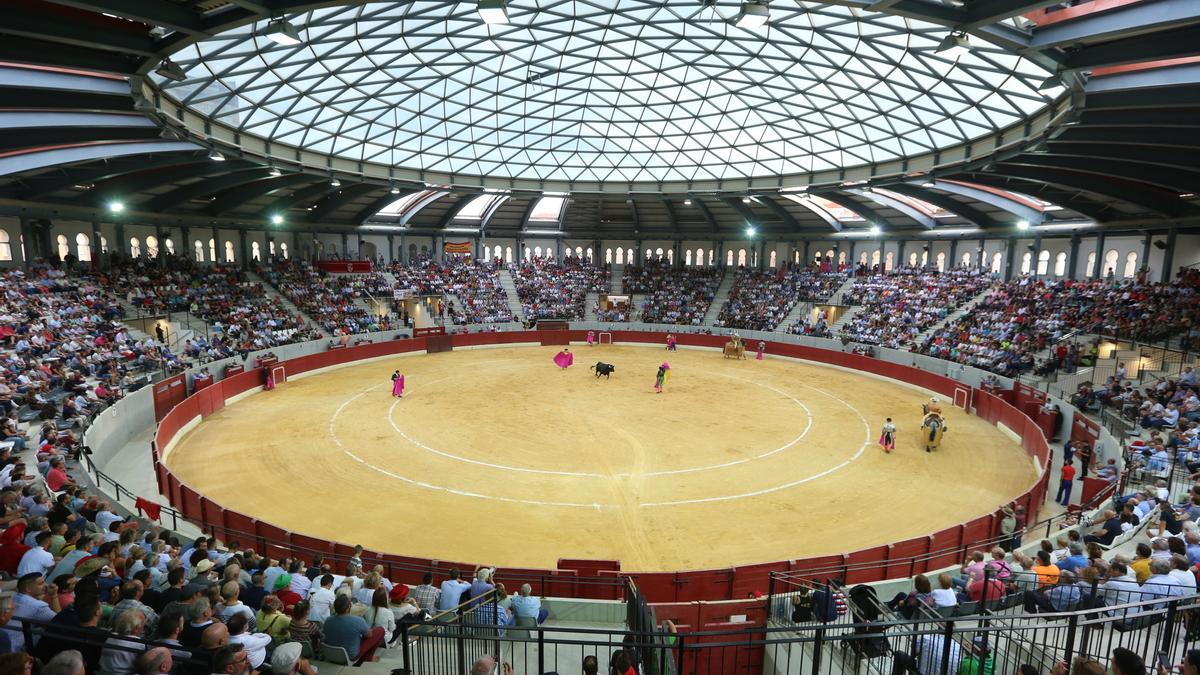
{"x": 605, "y": 369}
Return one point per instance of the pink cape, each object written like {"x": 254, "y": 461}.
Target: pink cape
{"x": 591, "y": 337}
{"x": 564, "y": 359}
{"x": 270, "y": 381}
{"x": 398, "y": 386}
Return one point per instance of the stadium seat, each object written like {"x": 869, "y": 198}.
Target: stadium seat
{"x": 336, "y": 655}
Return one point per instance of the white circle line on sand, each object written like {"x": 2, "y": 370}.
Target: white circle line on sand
{"x": 585, "y": 474}
{"x": 791, "y": 484}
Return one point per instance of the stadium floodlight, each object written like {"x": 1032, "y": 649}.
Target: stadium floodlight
{"x": 171, "y": 71}
{"x": 215, "y": 155}
{"x": 282, "y": 32}
{"x": 116, "y": 206}
{"x": 954, "y": 45}
{"x": 687, "y": 202}
{"x": 276, "y": 219}
{"x": 333, "y": 181}
{"x": 875, "y": 230}
{"x": 753, "y": 15}
{"x": 493, "y": 11}
{"x": 750, "y": 230}
{"x": 395, "y": 190}
{"x": 1022, "y": 224}
{"x": 275, "y": 172}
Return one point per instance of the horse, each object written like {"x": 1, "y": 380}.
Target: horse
{"x": 735, "y": 349}
{"x": 932, "y": 429}
{"x": 605, "y": 369}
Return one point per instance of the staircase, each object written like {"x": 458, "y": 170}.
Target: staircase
{"x": 589, "y": 305}
{"x": 721, "y": 297}
{"x": 389, "y": 278}
{"x": 616, "y": 280}
{"x": 277, "y": 297}
{"x": 838, "y": 296}
{"x": 800, "y": 310}
{"x": 845, "y": 319}
{"x": 953, "y": 316}
{"x": 510, "y": 290}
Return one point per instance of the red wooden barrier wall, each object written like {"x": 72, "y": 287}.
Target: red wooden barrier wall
{"x": 880, "y": 562}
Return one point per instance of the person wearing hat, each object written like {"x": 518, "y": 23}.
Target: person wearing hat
{"x": 287, "y": 661}
{"x": 201, "y": 569}
{"x": 283, "y": 590}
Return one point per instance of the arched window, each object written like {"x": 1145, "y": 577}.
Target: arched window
{"x": 649, "y": 254}
{"x": 1090, "y": 270}
{"x": 772, "y": 261}
{"x": 875, "y": 258}
{"x": 608, "y": 260}
{"x": 862, "y": 258}
{"x": 212, "y": 250}
{"x": 912, "y": 259}
{"x": 829, "y": 256}
{"x": 658, "y": 253}
{"x": 1026, "y": 263}
{"x": 283, "y": 250}
{"x": 199, "y": 251}
{"x": 729, "y": 258}
{"x": 549, "y": 253}
{"x": 508, "y": 254}
{"x": 941, "y": 261}
{"x": 1043, "y": 267}
{"x": 528, "y": 253}
{"x": 1131, "y": 265}
{"x": 229, "y": 251}
{"x": 5, "y": 246}
{"x": 687, "y": 257}
{"x": 537, "y": 251}
{"x": 671, "y": 256}
{"x": 629, "y": 256}
{"x": 170, "y": 244}
{"x": 925, "y": 258}
{"x": 997, "y": 258}
{"x": 620, "y": 256}
{"x": 271, "y": 248}
{"x": 152, "y": 246}
{"x": 841, "y": 258}
{"x": 699, "y": 257}
{"x": 966, "y": 260}
{"x": 135, "y": 247}
{"x": 1060, "y": 264}
{"x": 1110, "y": 263}
{"x": 741, "y": 257}
{"x": 795, "y": 257}
{"x": 255, "y": 252}
{"x": 578, "y": 251}
{"x": 64, "y": 248}
{"x": 83, "y": 247}
{"x": 589, "y": 254}
{"x": 889, "y": 261}
{"x": 103, "y": 244}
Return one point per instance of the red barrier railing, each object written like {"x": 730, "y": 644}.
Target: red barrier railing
{"x": 576, "y": 578}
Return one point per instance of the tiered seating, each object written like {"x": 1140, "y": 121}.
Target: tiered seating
{"x": 242, "y": 317}
{"x": 899, "y": 306}
{"x": 760, "y": 299}
{"x": 676, "y": 295}
{"x": 476, "y": 284}
{"x": 557, "y": 290}
{"x": 328, "y": 298}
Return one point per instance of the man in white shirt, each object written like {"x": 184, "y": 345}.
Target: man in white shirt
{"x": 105, "y": 518}
{"x": 37, "y": 559}
{"x": 1161, "y": 584}
{"x": 1122, "y": 587}
{"x": 320, "y": 601}
{"x": 301, "y": 584}
{"x": 230, "y": 604}
{"x": 255, "y": 644}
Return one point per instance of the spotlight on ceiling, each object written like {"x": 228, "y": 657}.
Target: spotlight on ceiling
{"x": 753, "y": 15}
{"x": 750, "y": 230}
{"x": 1022, "y": 224}
{"x": 746, "y": 200}
{"x": 275, "y": 172}
{"x": 116, "y": 206}
{"x": 954, "y": 45}
{"x": 215, "y": 155}
{"x": 875, "y": 229}
{"x": 276, "y": 219}
{"x": 493, "y": 11}
{"x": 170, "y": 70}
{"x": 282, "y": 32}
{"x": 335, "y": 182}
{"x": 687, "y": 202}
{"x": 395, "y": 190}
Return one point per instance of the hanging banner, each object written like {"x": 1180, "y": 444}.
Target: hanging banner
{"x": 457, "y": 247}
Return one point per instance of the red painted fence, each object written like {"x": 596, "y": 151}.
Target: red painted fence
{"x": 577, "y": 578}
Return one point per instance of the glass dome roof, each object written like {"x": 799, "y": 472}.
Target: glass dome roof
{"x": 574, "y": 90}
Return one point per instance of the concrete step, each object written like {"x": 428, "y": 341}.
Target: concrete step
{"x": 510, "y": 290}
{"x": 840, "y": 293}
{"x": 721, "y": 297}
{"x": 589, "y": 306}
{"x": 616, "y": 279}
{"x": 800, "y": 310}
{"x": 845, "y": 319}
{"x": 274, "y": 294}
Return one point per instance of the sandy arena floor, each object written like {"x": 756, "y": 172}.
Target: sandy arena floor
{"x": 497, "y": 456}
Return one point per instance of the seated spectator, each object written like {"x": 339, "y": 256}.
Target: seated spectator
{"x": 255, "y": 644}
{"x": 528, "y": 606}
{"x": 352, "y": 633}
{"x": 121, "y": 652}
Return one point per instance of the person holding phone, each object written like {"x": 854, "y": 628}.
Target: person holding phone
{"x": 490, "y": 665}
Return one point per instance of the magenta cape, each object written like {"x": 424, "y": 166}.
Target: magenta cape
{"x": 398, "y": 386}
{"x": 564, "y": 359}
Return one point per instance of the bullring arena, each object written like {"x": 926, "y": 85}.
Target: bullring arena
{"x": 568, "y": 465}
{"x": 339, "y": 336}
